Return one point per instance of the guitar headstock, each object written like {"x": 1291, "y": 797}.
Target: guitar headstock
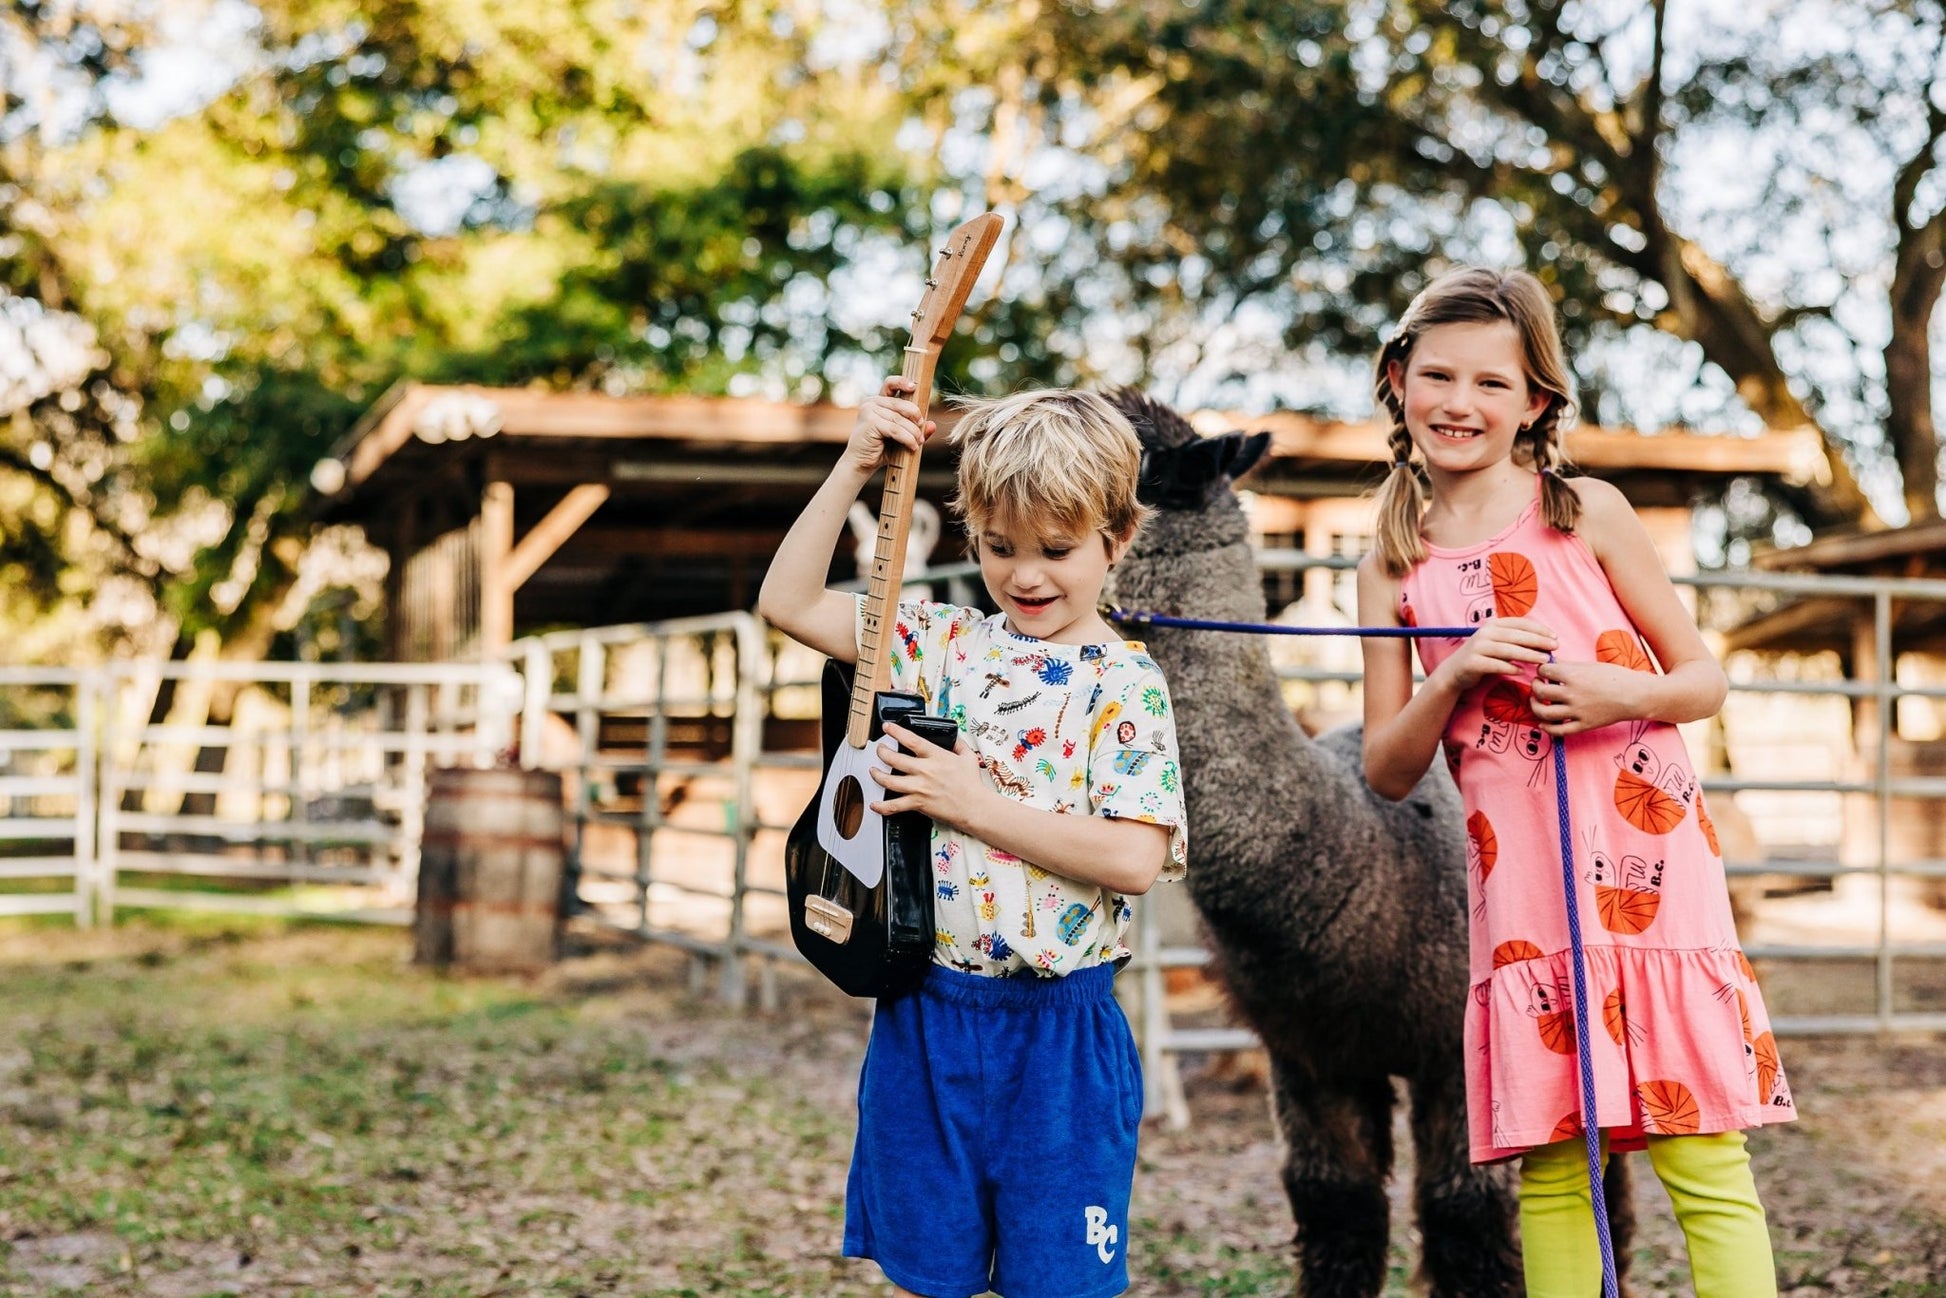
{"x": 953, "y": 273}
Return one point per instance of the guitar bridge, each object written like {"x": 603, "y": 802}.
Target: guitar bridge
{"x": 827, "y": 919}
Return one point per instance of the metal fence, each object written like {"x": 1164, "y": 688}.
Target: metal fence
{"x": 657, "y": 730}
{"x": 122, "y": 794}
{"x": 689, "y": 746}
{"x": 48, "y": 862}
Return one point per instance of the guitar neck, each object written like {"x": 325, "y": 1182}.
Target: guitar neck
{"x": 888, "y": 560}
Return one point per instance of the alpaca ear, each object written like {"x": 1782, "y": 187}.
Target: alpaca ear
{"x": 1243, "y": 453}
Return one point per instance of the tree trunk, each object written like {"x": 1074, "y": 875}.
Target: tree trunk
{"x": 1917, "y": 278}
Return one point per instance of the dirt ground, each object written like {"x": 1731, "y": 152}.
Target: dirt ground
{"x": 604, "y": 1129}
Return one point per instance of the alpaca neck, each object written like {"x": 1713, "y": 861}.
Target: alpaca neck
{"x": 1217, "y": 678}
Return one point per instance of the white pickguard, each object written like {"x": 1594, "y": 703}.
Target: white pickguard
{"x": 863, "y": 854}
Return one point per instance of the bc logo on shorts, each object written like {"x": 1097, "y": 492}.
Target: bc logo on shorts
{"x": 1100, "y": 1233}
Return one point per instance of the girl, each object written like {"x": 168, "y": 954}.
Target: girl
{"x": 1581, "y": 642}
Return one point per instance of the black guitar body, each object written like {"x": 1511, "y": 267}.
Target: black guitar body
{"x": 874, "y": 941}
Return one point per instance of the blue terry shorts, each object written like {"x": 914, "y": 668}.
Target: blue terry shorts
{"x": 997, "y": 1121}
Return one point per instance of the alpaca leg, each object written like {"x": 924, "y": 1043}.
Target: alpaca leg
{"x": 1337, "y": 1157}
{"x": 1467, "y": 1215}
{"x": 1619, "y": 1194}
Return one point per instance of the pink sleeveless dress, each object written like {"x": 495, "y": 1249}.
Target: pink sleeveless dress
{"x": 1680, "y": 1038}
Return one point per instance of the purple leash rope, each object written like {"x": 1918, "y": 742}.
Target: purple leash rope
{"x": 1584, "y": 1054}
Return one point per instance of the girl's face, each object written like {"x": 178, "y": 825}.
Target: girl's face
{"x": 1048, "y": 586}
{"x": 1466, "y": 395}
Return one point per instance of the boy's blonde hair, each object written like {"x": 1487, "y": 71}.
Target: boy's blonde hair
{"x": 1061, "y": 461}
{"x": 1474, "y": 295}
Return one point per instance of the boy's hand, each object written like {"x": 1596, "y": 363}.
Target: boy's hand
{"x": 947, "y": 785}
{"x": 1572, "y": 697}
{"x": 886, "y": 417}
{"x": 1498, "y": 648}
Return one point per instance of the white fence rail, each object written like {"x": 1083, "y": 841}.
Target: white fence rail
{"x": 688, "y": 747}
{"x": 308, "y": 802}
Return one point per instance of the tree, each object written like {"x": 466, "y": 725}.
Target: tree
{"x": 1319, "y": 160}
{"x": 453, "y": 189}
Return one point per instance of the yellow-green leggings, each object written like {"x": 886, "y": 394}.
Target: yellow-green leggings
{"x": 1715, "y": 1198}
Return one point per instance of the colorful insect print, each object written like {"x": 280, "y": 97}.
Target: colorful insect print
{"x": 1020, "y": 706}
{"x": 1074, "y": 923}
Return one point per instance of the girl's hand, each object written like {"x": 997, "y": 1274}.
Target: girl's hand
{"x": 1499, "y": 647}
{"x": 1572, "y": 697}
{"x": 886, "y": 417}
{"x": 948, "y": 785}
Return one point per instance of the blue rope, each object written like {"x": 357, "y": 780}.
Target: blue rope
{"x": 1134, "y": 618}
{"x": 1584, "y": 1054}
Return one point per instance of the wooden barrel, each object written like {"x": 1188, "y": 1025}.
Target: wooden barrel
{"x": 490, "y": 870}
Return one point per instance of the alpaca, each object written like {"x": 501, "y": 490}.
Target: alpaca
{"x": 1336, "y": 918}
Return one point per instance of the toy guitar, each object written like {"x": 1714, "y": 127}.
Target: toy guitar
{"x": 859, "y": 885}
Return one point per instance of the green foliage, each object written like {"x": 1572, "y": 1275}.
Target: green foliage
{"x": 670, "y": 197}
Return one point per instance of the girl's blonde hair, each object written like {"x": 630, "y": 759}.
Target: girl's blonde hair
{"x": 1476, "y": 296}
{"x": 1060, "y": 461}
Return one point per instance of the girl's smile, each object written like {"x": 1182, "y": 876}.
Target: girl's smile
{"x": 1465, "y": 395}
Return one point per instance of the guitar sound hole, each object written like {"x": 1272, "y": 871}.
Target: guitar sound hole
{"x": 848, "y": 807}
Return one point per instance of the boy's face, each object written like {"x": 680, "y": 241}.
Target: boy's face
{"x": 1048, "y": 585}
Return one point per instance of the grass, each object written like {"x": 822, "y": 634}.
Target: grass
{"x": 199, "y": 1105}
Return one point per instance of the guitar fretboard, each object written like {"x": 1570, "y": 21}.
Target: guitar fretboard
{"x": 888, "y": 561}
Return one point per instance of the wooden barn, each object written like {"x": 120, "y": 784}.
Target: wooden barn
{"x": 511, "y": 510}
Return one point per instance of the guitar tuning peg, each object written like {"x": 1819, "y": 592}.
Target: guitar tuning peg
{"x": 946, "y": 251}
{"x": 932, "y": 283}
{"x": 916, "y": 315}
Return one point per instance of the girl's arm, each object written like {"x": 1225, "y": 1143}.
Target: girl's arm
{"x": 1403, "y": 726}
{"x": 793, "y": 597}
{"x": 1575, "y": 696}
{"x": 1121, "y": 855}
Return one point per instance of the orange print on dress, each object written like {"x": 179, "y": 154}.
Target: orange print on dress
{"x": 1566, "y": 1129}
{"x": 1709, "y": 826}
{"x": 1669, "y": 1108}
{"x": 1549, "y": 1007}
{"x": 1505, "y": 707}
{"x": 1515, "y": 586}
{"x": 1639, "y": 792}
{"x": 1628, "y": 895}
{"x": 1765, "y": 1047}
{"x": 1508, "y": 725}
{"x": 1624, "y": 649}
{"x": 1482, "y": 850}
{"x": 1514, "y": 951}
{"x": 1614, "y": 1017}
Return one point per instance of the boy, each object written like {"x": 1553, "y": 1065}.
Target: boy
{"x": 999, "y": 1103}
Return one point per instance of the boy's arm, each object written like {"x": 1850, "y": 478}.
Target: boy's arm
{"x": 793, "y": 597}
{"x": 1122, "y": 855}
